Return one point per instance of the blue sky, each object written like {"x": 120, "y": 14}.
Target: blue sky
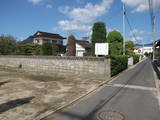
{"x": 22, "y": 18}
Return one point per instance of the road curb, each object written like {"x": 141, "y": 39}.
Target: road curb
{"x": 100, "y": 86}
{"x": 157, "y": 81}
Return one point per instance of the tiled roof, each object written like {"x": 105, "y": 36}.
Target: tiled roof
{"x": 42, "y": 34}
{"x": 49, "y": 35}
{"x": 28, "y": 40}
{"x": 84, "y": 43}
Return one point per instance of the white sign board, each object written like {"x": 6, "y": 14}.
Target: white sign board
{"x": 101, "y": 48}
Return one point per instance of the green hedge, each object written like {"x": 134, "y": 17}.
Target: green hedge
{"x": 135, "y": 59}
{"x": 87, "y": 54}
{"x": 118, "y": 63}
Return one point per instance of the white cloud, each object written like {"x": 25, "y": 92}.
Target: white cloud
{"x": 35, "y": 1}
{"x": 49, "y": 6}
{"x": 81, "y": 19}
{"x": 140, "y": 5}
{"x": 136, "y": 32}
{"x": 64, "y": 9}
{"x": 73, "y": 26}
{"x": 138, "y": 38}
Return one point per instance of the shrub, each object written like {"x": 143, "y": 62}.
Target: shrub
{"x": 87, "y": 54}
{"x": 47, "y": 48}
{"x": 135, "y": 59}
{"x": 115, "y": 48}
{"x": 118, "y": 63}
{"x": 20, "y": 66}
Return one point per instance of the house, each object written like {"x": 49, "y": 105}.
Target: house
{"x": 77, "y": 47}
{"x": 157, "y": 44}
{"x": 82, "y": 46}
{"x": 142, "y": 49}
{"x": 40, "y": 37}
{"x": 157, "y": 50}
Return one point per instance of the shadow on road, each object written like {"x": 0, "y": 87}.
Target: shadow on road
{"x": 14, "y": 103}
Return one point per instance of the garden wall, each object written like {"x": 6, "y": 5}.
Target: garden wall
{"x": 97, "y": 66}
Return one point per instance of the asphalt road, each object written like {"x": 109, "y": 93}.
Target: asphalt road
{"x": 131, "y": 96}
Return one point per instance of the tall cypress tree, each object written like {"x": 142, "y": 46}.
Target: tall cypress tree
{"x": 98, "y": 34}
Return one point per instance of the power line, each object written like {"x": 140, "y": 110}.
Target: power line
{"x": 131, "y": 29}
{"x": 134, "y": 35}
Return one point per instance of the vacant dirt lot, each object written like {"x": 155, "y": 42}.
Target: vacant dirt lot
{"x": 24, "y": 96}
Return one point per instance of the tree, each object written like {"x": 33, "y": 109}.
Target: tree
{"x": 115, "y": 40}
{"x": 20, "y": 50}
{"x": 115, "y": 48}
{"x": 129, "y": 47}
{"x": 47, "y": 48}
{"x": 71, "y": 46}
{"x": 98, "y": 34}
{"x": 114, "y": 36}
{"x": 7, "y": 45}
{"x": 55, "y": 49}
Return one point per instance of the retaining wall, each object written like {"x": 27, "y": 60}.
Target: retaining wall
{"x": 100, "y": 66}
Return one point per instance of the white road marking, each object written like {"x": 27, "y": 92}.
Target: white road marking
{"x": 133, "y": 87}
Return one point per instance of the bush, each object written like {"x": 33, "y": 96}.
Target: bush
{"x": 118, "y": 63}
{"x": 87, "y": 54}
{"x": 20, "y": 66}
{"x": 47, "y": 48}
{"x": 135, "y": 59}
{"x": 115, "y": 48}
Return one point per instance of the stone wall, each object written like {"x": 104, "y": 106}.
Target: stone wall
{"x": 97, "y": 66}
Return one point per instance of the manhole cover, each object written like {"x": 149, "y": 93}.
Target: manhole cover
{"x": 110, "y": 115}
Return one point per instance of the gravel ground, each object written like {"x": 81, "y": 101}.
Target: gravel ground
{"x": 24, "y": 96}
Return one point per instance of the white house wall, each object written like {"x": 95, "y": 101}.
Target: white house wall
{"x": 50, "y": 39}
{"x": 79, "y": 49}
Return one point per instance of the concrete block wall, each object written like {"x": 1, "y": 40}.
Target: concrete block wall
{"x": 98, "y": 66}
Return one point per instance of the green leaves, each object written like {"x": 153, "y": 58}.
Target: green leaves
{"x": 115, "y": 40}
{"x": 115, "y": 48}
{"x": 47, "y": 48}
{"x": 129, "y": 47}
{"x": 7, "y": 45}
{"x": 114, "y": 36}
{"x": 98, "y": 35}
{"x": 118, "y": 63}
{"x": 135, "y": 59}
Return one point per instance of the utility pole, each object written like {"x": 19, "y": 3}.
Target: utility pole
{"x": 154, "y": 36}
{"x": 123, "y": 29}
{"x": 142, "y": 48}
{"x": 152, "y": 8}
